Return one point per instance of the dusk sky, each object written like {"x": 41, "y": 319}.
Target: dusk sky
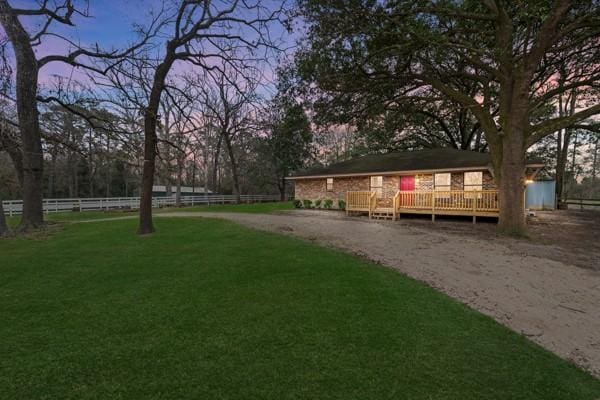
{"x": 110, "y": 25}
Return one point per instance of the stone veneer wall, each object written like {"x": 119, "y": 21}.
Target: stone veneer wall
{"x": 315, "y": 189}
{"x": 390, "y": 185}
{"x": 488, "y": 181}
{"x": 424, "y": 182}
{"x": 457, "y": 181}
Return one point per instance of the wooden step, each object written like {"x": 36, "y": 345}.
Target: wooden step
{"x": 383, "y": 213}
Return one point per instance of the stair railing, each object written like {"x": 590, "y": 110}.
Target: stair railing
{"x": 396, "y": 204}
{"x": 372, "y": 203}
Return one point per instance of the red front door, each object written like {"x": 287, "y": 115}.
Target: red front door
{"x": 407, "y": 183}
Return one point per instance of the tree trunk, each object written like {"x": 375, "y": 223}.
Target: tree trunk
{"x": 511, "y": 183}
{"x": 52, "y": 174}
{"x": 178, "y": 183}
{"x": 31, "y": 142}
{"x": 216, "y": 164}
{"x": 234, "y": 169}
{"x": 150, "y": 141}
{"x": 564, "y": 139}
{"x": 281, "y": 187}
{"x": 595, "y": 162}
{"x": 4, "y": 231}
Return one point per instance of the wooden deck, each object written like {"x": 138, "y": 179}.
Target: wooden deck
{"x": 475, "y": 203}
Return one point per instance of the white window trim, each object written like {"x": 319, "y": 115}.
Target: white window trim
{"x": 376, "y": 189}
{"x": 329, "y": 185}
{"x": 473, "y": 186}
{"x": 445, "y": 188}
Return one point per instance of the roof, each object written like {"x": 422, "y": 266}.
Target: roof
{"x": 445, "y": 159}
{"x": 184, "y": 189}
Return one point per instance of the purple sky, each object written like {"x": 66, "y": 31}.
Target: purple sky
{"x": 110, "y": 26}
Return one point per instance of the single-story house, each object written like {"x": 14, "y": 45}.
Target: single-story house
{"x": 436, "y": 181}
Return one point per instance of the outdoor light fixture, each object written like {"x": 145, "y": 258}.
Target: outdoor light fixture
{"x": 528, "y": 181}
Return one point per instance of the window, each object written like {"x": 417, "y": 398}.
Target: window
{"x": 442, "y": 183}
{"x": 330, "y": 184}
{"x": 473, "y": 180}
{"x": 377, "y": 185}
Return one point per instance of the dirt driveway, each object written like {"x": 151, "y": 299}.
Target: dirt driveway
{"x": 554, "y": 303}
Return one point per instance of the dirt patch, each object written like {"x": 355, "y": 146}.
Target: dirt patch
{"x": 556, "y": 235}
{"x": 524, "y": 285}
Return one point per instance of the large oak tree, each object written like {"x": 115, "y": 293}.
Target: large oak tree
{"x": 361, "y": 51}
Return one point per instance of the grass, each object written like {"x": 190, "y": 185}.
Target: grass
{"x": 254, "y": 208}
{"x": 207, "y": 309}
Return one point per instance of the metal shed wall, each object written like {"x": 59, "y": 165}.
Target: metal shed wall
{"x": 540, "y": 195}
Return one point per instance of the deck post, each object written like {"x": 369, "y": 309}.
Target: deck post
{"x": 475, "y": 207}
{"x": 433, "y": 206}
{"x": 347, "y": 204}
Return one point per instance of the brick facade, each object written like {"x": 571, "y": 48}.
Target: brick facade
{"x": 316, "y": 189}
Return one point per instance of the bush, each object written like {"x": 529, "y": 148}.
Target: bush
{"x": 297, "y": 203}
{"x": 341, "y": 204}
{"x": 327, "y": 204}
{"x": 318, "y": 203}
{"x": 307, "y": 203}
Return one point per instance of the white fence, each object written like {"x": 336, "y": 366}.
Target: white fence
{"x": 14, "y": 207}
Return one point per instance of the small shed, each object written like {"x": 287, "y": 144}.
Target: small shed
{"x": 540, "y": 195}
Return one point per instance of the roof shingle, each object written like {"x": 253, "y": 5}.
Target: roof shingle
{"x": 423, "y": 160}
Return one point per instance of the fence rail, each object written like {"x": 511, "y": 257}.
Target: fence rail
{"x": 15, "y": 207}
{"x": 582, "y": 204}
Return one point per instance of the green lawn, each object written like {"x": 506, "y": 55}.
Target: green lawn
{"x": 206, "y": 309}
{"x": 255, "y": 208}
{"x": 77, "y": 216}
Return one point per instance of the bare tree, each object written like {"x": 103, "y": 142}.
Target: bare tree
{"x": 201, "y": 33}
{"x": 28, "y": 67}
{"x": 229, "y": 97}
{"x": 178, "y": 107}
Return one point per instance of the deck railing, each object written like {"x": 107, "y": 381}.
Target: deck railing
{"x": 461, "y": 202}
{"x": 458, "y": 200}
{"x": 358, "y": 201}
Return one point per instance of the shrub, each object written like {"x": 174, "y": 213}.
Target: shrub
{"x": 341, "y": 204}
{"x": 318, "y": 203}
{"x": 307, "y": 203}
{"x": 327, "y": 204}
{"x": 297, "y": 203}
